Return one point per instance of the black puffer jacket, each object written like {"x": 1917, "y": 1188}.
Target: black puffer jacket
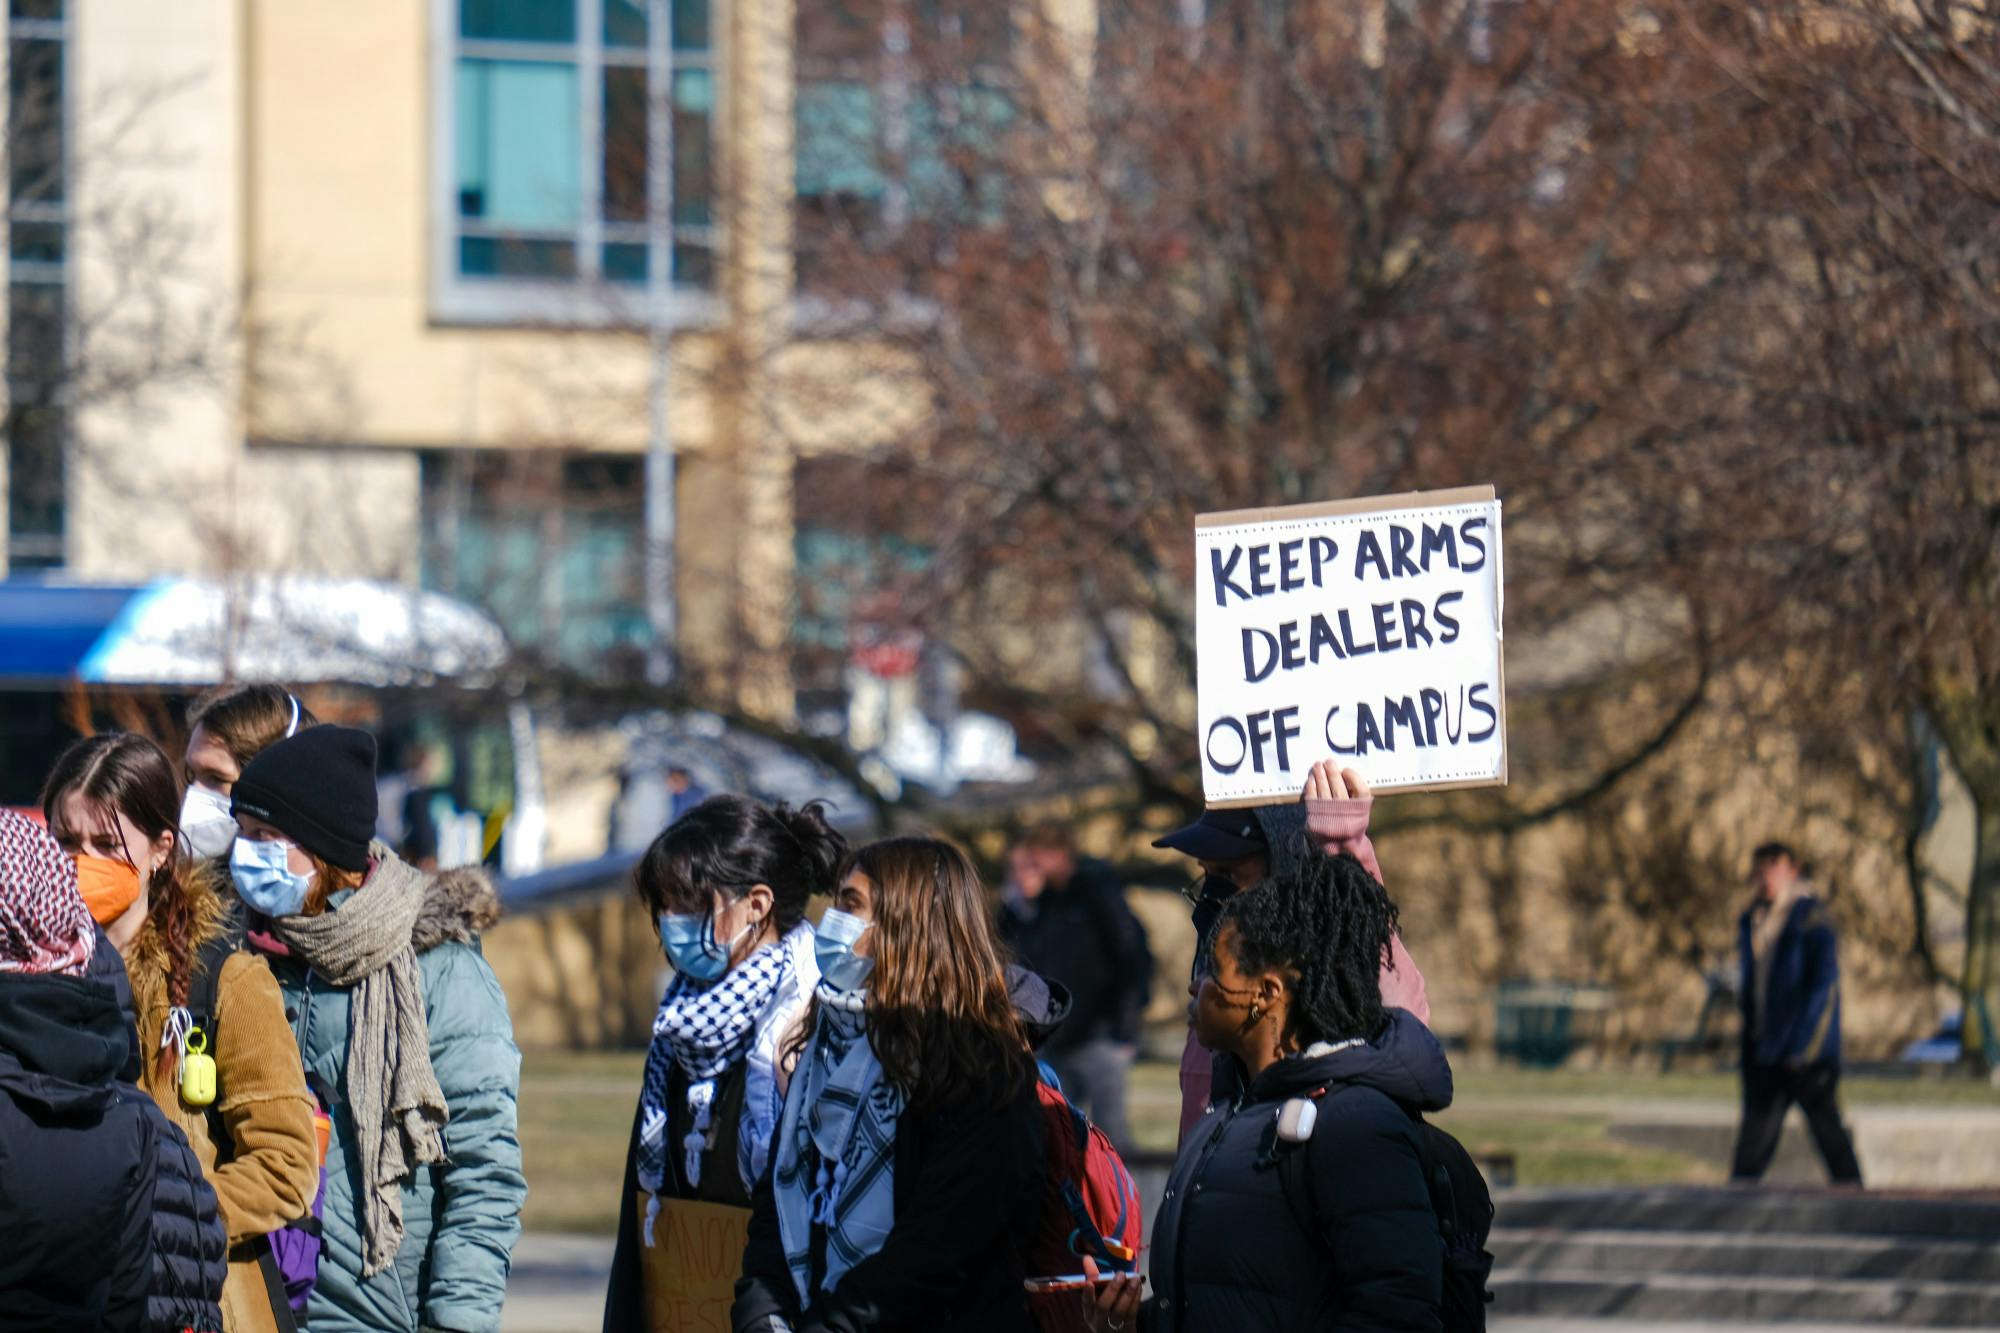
{"x": 1229, "y": 1252}
{"x": 189, "y": 1247}
{"x": 77, "y": 1161}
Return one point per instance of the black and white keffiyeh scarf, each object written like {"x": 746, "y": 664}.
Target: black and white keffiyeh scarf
{"x": 836, "y": 1152}
{"x": 705, "y": 1030}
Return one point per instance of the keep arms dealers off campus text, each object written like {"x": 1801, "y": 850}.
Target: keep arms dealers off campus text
{"x": 1426, "y": 717}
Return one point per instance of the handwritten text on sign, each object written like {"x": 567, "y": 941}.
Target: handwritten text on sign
{"x": 1366, "y": 631}
{"x": 690, "y": 1271}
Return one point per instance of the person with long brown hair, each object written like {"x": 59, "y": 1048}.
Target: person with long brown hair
{"x": 907, "y": 1166}
{"x": 112, "y": 803}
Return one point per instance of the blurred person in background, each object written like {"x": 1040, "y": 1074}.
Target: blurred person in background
{"x": 1790, "y": 998}
{"x": 1066, "y": 918}
{"x": 727, "y": 884}
{"x": 401, "y": 1016}
{"x": 111, "y": 802}
{"x": 1237, "y": 850}
{"x": 108, "y": 1221}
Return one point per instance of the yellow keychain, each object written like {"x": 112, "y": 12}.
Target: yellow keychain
{"x": 197, "y": 1071}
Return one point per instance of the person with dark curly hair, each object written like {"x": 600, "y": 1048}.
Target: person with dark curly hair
{"x": 1294, "y": 1001}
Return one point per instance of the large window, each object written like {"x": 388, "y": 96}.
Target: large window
{"x": 902, "y": 108}
{"x": 37, "y": 421}
{"x": 550, "y": 544}
{"x": 581, "y": 157}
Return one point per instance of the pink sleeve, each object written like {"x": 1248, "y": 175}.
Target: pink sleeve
{"x": 1342, "y": 826}
{"x": 1402, "y": 984}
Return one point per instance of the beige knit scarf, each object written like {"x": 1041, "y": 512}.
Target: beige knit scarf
{"x": 392, "y": 1092}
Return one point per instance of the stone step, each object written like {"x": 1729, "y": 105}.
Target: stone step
{"x": 1581, "y": 1294}
{"x": 1640, "y": 1253}
{"x": 1812, "y": 1212}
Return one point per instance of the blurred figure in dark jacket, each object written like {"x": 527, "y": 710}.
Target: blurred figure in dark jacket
{"x": 1790, "y": 995}
{"x": 1065, "y": 916}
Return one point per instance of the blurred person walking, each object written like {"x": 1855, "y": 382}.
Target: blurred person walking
{"x": 727, "y": 885}
{"x": 400, "y": 1016}
{"x": 1790, "y": 997}
{"x": 111, "y": 802}
{"x": 907, "y": 1174}
{"x": 1066, "y": 918}
{"x": 1345, "y": 1233}
{"x": 109, "y": 1224}
{"x": 1237, "y": 850}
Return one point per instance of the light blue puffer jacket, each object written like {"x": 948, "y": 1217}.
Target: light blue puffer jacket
{"x": 460, "y": 1219}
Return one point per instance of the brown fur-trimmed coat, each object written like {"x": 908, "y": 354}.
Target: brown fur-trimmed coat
{"x": 272, "y": 1171}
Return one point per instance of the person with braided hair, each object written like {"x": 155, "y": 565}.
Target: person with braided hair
{"x": 1238, "y": 849}
{"x": 1293, "y": 1000}
{"x": 114, "y": 804}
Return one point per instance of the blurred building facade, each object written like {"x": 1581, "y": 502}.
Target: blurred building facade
{"x": 391, "y": 289}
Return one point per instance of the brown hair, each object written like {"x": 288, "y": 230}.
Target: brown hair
{"x": 1050, "y": 836}
{"x": 249, "y": 719}
{"x": 127, "y": 774}
{"x": 328, "y": 880}
{"x": 939, "y": 1018}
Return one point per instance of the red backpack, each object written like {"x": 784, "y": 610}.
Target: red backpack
{"x": 1091, "y": 1207}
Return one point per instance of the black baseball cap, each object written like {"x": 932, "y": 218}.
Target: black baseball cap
{"x": 1219, "y": 835}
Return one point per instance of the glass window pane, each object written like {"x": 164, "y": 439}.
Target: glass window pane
{"x": 694, "y": 266}
{"x": 37, "y": 242}
{"x": 36, "y": 9}
{"x": 955, "y": 136}
{"x": 836, "y": 154}
{"x": 34, "y": 340}
{"x": 517, "y": 143}
{"x": 625, "y": 261}
{"x": 694, "y": 157}
{"x": 691, "y": 25}
{"x": 625, "y": 22}
{"x": 35, "y": 120}
{"x": 518, "y": 20}
{"x": 35, "y": 477}
{"x": 515, "y": 257}
{"x": 624, "y": 144}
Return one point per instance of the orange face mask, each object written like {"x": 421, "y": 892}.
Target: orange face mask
{"x": 109, "y": 888}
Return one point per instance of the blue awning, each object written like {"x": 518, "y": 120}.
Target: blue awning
{"x": 47, "y": 630}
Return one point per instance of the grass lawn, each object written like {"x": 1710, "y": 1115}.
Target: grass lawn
{"x": 576, "y": 1118}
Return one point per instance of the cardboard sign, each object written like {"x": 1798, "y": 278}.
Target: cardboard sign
{"x": 691, "y": 1272}
{"x": 1365, "y": 631}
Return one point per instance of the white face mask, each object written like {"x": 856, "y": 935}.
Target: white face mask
{"x": 206, "y": 822}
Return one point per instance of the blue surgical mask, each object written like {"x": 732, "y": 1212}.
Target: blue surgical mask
{"x": 265, "y": 880}
{"x": 692, "y": 947}
{"x": 833, "y": 947}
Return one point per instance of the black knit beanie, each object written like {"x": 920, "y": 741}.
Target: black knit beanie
{"x": 318, "y": 789}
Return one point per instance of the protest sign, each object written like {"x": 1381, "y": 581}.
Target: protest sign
{"x": 691, "y": 1269}
{"x": 1364, "y": 631}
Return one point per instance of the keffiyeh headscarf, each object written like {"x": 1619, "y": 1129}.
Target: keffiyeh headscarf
{"x": 836, "y": 1151}
{"x": 706, "y": 1030}
{"x": 44, "y": 926}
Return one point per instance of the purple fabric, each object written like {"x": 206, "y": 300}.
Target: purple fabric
{"x": 297, "y": 1253}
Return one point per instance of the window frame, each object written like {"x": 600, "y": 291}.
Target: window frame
{"x": 43, "y": 551}
{"x": 588, "y": 299}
